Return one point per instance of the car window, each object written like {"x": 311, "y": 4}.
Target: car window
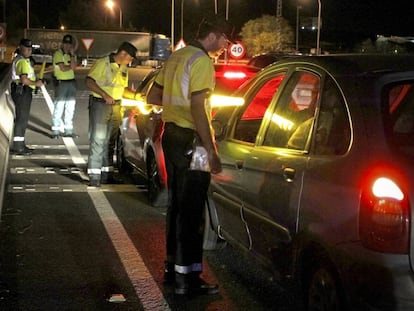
{"x": 400, "y": 113}
{"x": 248, "y": 124}
{"x": 293, "y": 117}
{"x": 333, "y": 131}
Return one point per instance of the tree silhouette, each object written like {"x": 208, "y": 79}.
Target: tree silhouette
{"x": 266, "y": 34}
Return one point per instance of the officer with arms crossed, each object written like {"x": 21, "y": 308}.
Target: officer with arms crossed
{"x": 182, "y": 88}
{"x": 24, "y": 81}
{"x": 108, "y": 81}
{"x": 64, "y": 65}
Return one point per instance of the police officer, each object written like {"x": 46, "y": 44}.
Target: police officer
{"x": 64, "y": 65}
{"x": 182, "y": 88}
{"x": 108, "y": 81}
{"x": 24, "y": 81}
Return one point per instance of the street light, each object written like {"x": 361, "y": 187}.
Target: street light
{"x": 227, "y": 10}
{"x": 318, "y": 36}
{"x": 182, "y": 19}
{"x": 172, "y": 24}
{"x": 110, "y": 4}
{"x": 298, "y": 7}
{"x": 27, "y": 14}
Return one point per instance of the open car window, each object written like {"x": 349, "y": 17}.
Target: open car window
{"x": 248, "y": 124}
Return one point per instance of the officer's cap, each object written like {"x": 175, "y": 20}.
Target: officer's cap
{"x": 67, "y": 39}
{"x": 217, "y": 24}
{"x": 26, "y": 42}
{"x": 129, "y": 48}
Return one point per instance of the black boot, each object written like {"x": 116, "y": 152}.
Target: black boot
{"x": 193, "y": 284}
{"x": 19, "y": 148}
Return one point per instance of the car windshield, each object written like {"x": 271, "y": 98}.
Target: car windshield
{"x": 399, "y": 103}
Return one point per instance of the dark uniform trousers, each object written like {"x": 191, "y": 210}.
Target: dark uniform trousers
{"x": 22, "y": 97}
{"x": 187, "y": 195}
{"x": 100, "y": 127}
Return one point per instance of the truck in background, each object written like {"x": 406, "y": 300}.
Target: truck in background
{"x": 153, "y": 49}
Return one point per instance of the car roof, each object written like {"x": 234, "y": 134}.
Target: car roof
{"x": 355, "y": 64}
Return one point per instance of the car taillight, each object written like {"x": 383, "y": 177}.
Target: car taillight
{"x": 384, "y": 223}
{"x": 231, "y": 74}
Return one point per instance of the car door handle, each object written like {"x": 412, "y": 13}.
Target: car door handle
{"x": 289, "y": 174}
{"x": 239, "y": 164}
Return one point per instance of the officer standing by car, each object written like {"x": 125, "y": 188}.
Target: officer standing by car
{"x": 64, "y": 65}
{"x": 108, "y": 82}
{"x": 182, "y": 88}
{"x": 24, "y": 81}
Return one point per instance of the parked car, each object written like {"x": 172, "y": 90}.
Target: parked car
{"x": 38, "y": 56}
{"x": 139, "y": 140}
{"x": 318, "y": 178}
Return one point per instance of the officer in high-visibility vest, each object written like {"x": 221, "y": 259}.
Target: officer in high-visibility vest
{"x": 64, "y": 65}
{"x": 108, "y": 82}
{"x": 24, "y": 81}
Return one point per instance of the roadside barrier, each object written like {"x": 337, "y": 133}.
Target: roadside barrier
{"x": 6, "y": 125}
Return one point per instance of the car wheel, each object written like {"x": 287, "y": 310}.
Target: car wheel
{"x": 211, "y": 240}
{"x": 121, "y": 163}
{"x": 156, "y": 193}
{"x": 323, "y": 292}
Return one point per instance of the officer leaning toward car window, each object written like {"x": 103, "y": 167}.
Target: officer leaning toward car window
{"x": 182, "y": 87}
{"x": 64, "y": 65}
{"x": 108, "y": 82}
{"x": 24, "y": 81}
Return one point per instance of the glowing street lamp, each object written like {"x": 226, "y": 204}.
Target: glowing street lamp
{"x": 110, "y": 4}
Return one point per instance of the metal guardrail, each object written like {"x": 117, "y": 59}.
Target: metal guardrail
{"x": 6, "y": 125}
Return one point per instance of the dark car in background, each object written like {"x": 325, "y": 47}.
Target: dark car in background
{"x": 318, "y": 179}
{"x": 139, "y": 140}
{"x": 265, "y": 59}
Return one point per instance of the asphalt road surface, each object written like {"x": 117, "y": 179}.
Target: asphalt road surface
{"x": 66, "y": 246}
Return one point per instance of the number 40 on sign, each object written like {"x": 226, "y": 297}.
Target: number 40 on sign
{"x": 237, "y": 50}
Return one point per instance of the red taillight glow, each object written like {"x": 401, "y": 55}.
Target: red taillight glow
{"x": 234, "y": 75}
{"x": 384, "y": 217}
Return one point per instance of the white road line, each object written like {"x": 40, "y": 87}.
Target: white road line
{"x": 17, "y": 188}
{"x": 146, "y": 288}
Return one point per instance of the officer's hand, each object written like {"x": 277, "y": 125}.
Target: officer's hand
{"x": 108, "y": 99}
{"x": 39, "y": 83}
{"x": 214, "y": 161}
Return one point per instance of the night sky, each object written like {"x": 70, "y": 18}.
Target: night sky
{"x": 368, "y": 17}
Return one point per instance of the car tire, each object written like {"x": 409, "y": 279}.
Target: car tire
{"x": 211, "y": 240}
{"x": 157, "y": 196}
{"x": 323, "y": 291}
{"x": 124, "y": 167}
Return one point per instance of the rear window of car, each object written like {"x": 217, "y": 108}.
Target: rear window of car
{"x": 399, "y": 115}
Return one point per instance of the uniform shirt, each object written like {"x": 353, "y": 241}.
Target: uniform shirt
{"x": 109, "y": 76}
{"x": 60, "y": 57}
{"x": 187, "y": 71}
{"x": 22, "y": 66}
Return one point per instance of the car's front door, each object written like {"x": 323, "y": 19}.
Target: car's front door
{"x": 228, "y": 190}
{"x": 274, "y": 168}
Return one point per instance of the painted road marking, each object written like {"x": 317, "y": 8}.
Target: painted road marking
{"x": 146, "y": 288}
